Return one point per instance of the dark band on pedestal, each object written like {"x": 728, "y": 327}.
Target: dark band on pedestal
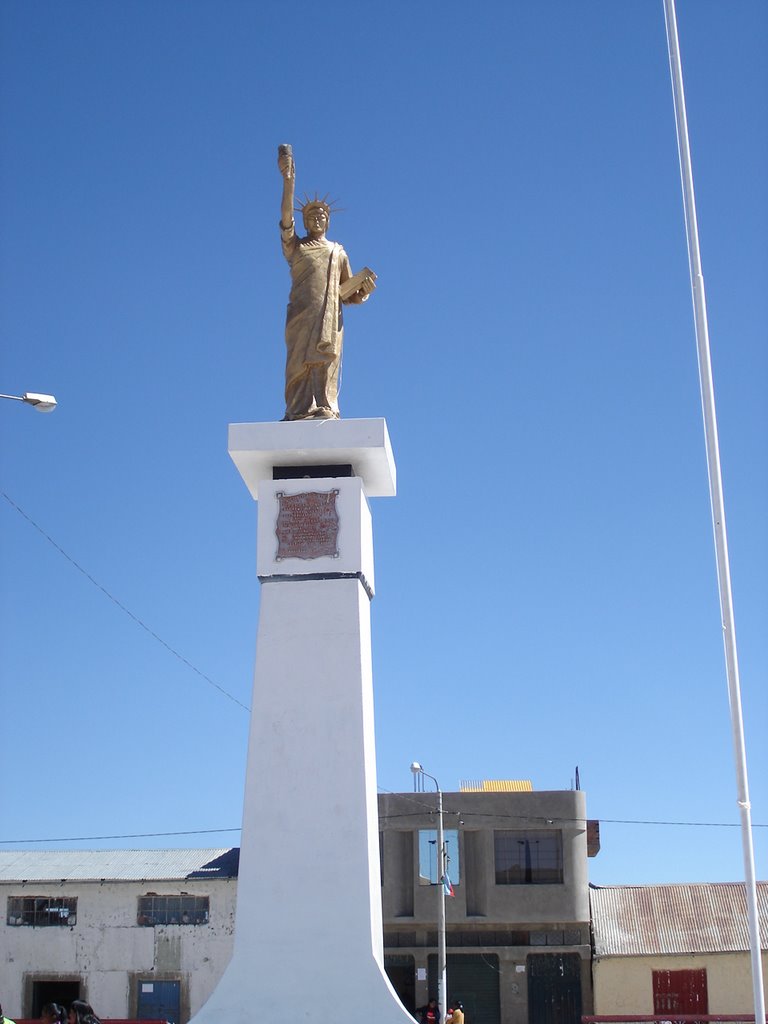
{"x": 301, "y": 577}
{"x": 311, "y": 472}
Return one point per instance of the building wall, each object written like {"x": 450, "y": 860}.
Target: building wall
{"x": 483, "y": 813}
{"x": 108, "y": 952}
{"x": 480, "y": 904}
{"x": 624, "y": 985}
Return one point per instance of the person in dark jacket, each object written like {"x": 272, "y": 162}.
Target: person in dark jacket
{"x": 430, "y": 1014}
{"x": 52, "y": 1013}
{"x": 82, "y": 1013}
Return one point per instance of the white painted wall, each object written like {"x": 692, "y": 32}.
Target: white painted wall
{"x": 309, "y": 863}
{"x": 106, "y": 946}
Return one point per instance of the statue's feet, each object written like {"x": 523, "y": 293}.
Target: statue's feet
{"x": 318, "y": 413}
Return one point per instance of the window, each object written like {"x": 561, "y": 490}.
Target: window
{"x": 172, "y": 910}
{"x": 528, "y": 858}
{"x": 428, "y": 855}
{"x": 42, "y": 911}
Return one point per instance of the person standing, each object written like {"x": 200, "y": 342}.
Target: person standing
{"x": 52, "y": 1013}
{"x": 456, "y": 1014}
{"x": 430, "y": 1014}
{"x": 81, "y": 1012}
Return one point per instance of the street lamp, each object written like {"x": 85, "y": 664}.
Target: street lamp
{"x": 43, "y": 403}
{"x": 442, "y": 977}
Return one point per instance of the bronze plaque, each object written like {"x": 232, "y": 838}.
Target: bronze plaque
{"x": 307, "y": 525}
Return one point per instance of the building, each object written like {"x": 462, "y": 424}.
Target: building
{"x": 517, "y": 929}
{"x": 137, "y": 933}
{"x": 666, "y": 949}
{"x": 148, "y": 933}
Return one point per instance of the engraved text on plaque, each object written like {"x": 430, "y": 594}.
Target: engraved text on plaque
{"x": 307, "y": 525}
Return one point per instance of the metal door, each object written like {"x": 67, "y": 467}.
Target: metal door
{"x": 680, "y": 992}
{"x": 159, "y": 1000}
{"x": 554, "y": 988}
{"x": 474, "y": 979}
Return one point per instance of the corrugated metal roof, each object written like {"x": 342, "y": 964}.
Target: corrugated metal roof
{"x": 116, "y": 865}
{"x": 642, "y": 920}
{"x": 497, "y": 786}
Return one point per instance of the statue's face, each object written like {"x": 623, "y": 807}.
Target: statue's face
{"x": 316, "y": 221}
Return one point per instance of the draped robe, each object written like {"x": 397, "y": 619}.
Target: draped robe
{"x": 313, "y": 328}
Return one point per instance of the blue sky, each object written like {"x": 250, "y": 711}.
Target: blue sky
{"x": 546, "y": 590}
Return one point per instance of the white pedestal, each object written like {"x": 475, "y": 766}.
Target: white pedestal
{"x": 308, "y": 937}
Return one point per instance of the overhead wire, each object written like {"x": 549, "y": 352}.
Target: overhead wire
{"x": 390, "y": 817}
{"x": 131, "y": 835}
{"x": 421, "y": 803}
{"x": 123, "y": 608}
{"x": 544, "y": 819}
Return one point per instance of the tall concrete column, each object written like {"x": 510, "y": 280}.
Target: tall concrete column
{"x": 308, "y": 937}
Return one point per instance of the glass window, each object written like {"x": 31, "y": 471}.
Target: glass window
{"x": 528, "y": 858}
{"x": 172, "y": 910}
{"x": 428, "y": 855}
{"x": 42, "y": 911}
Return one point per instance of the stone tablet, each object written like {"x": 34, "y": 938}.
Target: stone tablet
{"x": 307, "y": 525}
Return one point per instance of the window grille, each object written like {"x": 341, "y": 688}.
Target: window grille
{"x": 154, "y": 910}
{"x": 42, "y": 911}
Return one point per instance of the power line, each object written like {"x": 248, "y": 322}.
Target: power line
{"x": 425, "y": 808}
{"x": 134, "y": 835}
{"x": 430, "y": 809}
{"x": 571, "y": 821}
{"x": 384, "y": 817}
{"x": 123, "y": 608}
{"x": 693, "y": 824}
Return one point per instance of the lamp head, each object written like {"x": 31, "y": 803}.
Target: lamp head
{"x": 43, "y": 403}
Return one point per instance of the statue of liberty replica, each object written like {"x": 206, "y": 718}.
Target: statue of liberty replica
{"x": 321, "y": 283}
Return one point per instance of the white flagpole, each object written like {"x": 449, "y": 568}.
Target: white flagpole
{"x": 718, "y": 505}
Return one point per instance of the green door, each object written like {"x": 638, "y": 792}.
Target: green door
{"x": 474, "y": 979}
{"x": 554, "y": 988}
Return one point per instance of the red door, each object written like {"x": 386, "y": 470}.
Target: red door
{"x": 680, "y": 992}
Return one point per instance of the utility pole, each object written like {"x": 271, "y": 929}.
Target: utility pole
{"x": 442, "y": 970}
{"x": 717, "y": 502}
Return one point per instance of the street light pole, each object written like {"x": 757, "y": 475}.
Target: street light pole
{"x": 442, "y": 973}
{"x": 442, "y": 977}
{"x": 43, "y": 403}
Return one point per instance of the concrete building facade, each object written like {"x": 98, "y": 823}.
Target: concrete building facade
{"x": 518, "y": 930}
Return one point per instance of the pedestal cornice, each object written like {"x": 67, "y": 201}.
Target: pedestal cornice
{"x": 257, "y": 448}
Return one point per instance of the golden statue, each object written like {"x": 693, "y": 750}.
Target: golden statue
{"x": 321, "y": 281}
